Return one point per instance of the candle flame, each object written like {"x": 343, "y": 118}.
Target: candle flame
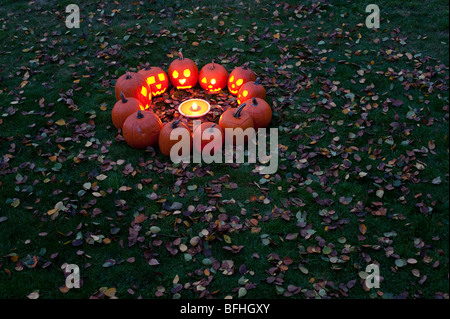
{"x": 194, "y": 107}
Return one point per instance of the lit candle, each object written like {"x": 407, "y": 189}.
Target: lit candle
{"x": 194, "y": 108}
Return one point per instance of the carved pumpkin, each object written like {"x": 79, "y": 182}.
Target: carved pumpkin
{"x": 156, "y": 78}
{"x": 141, "y": 129}
{"x": 216, "y": 136}
{"x": 213, "y": 77}
{"x": 251, "y": 89}
{"x": 165, "y": 143}
{"x": 183, "y": 73}
{"x": 236, "y": 118}
{"x": 260, "y": 111}
{"x": 124, "y": 108}
{"x": 132, "y": 84}
{"x": 238, "y": 77}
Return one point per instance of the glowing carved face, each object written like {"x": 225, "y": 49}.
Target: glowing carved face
{"x": 213, "y": 77}
{"x": 235, "y": 86}
{"x": 182, "y": 79}
{"x": 183, "y": 73}
{"x": 238, "y": 77}
{"x": 211, "y": 85}
{"x": 249, "y": 90}
{"x": 156, "y": 79}
{"x": 134, "y": 85}
{"x": 145, "y": 95}
{"x": 157, "y": 82}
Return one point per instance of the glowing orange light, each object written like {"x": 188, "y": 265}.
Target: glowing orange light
{"x": 151, "y": 80}
{"x": 144, "y": 91}
{"x": 194, "y": 108}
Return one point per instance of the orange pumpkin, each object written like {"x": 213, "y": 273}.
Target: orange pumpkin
{"x": 134, "y": 85}
{"x": 238, "y": 77}
{"x": 124, "y": 108}
{"x": 183, "y": 73}
{"x": 156, "y": 78}
{"x": 251, "y": 89}
{"x": 260, "y": 111}
{"x": 165, "y": 143}
{"x": 213, "y": 77}
{"x": 235, "y": 118}
{"x": 141, "y": 129}
{"x": 216, "y": 136}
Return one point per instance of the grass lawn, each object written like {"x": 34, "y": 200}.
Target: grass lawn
{"x": 363, "y": 173}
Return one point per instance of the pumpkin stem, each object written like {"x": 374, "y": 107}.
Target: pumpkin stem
{"x": 180, "y": 56}
{"x": 213, "y": 66}
{"x": 122, "y": 96}
{"x": 211, "y": 127}
{"x": 140, "y": 115}
{"x": 255, "y": 103}
{"x": 245, "y": 66}
{"x": 237, "y": 114}
{"x": 128, "y": 76}
{"x": 257, "y": 81}
{"x": 147, "y": 66}
{"x": 175, "y": 124}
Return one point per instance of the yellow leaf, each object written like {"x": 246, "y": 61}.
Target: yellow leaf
{"x": 110, "y": 292}
{"x": 227, "y": 239}
{"x": 15, "y": 203}
{"x": 60, "y": 122}
{"x": 52, "y": 211}
{"x": 195, "y": 44}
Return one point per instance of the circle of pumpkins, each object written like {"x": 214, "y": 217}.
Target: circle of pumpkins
{"x": 142, "y": 128}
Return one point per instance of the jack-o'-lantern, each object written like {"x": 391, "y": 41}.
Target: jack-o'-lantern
{"x": 156, "y": 78}
{"x": 260, "y": 111}
{"x": 213, "y": 77}
{"x": 183, "y": 73}
{"x": 238, "y": 77}
{"x": 132, "y": 84}
{"x": 251, "y": 89}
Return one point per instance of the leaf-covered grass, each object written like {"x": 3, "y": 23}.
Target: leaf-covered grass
{"x": 363, "y": 153}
